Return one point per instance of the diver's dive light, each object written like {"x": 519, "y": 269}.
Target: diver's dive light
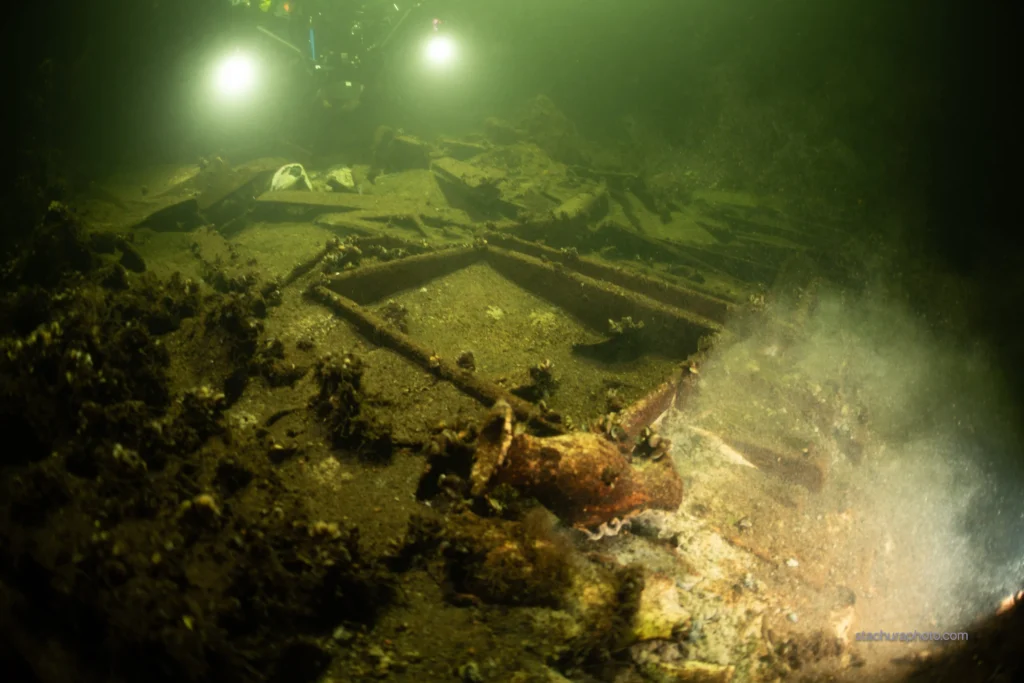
{"x": 439, "y": 49}
{"x": 234, "y": 76}
{"x": 237, "y": 74}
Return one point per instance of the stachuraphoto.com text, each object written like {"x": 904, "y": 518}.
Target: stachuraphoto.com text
{"x": 909, "y": 636}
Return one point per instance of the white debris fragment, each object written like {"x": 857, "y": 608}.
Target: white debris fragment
{"x": 607, "y": 529}
{"x": 290, "y": 177}
{"x": 791, "y": 562}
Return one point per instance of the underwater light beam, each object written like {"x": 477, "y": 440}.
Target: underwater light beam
{"x": 235, "y": 75}
{"x": 440, "y": 50}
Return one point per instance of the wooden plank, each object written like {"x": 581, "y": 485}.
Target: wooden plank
{"x": 700, "y": 303}
{"x": 368, "y": 284}
{"x": 223, "y": 185}
{"x": 181, "y": 215}
{"x": 339, "y": 201}
{"x": 670, "y": 331}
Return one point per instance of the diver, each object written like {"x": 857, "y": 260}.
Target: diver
{"x": 342, "y": 43}
{"x": 338, "y": 60}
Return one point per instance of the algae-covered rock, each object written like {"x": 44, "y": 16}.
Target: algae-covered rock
{"x": 659, "y": 615}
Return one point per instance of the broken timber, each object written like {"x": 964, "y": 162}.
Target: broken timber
{"x": 673, "y": 331}
{"x": 377, "y": 330}
{"x": 700, "y": 303}
{"x": 372, "y": 283}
